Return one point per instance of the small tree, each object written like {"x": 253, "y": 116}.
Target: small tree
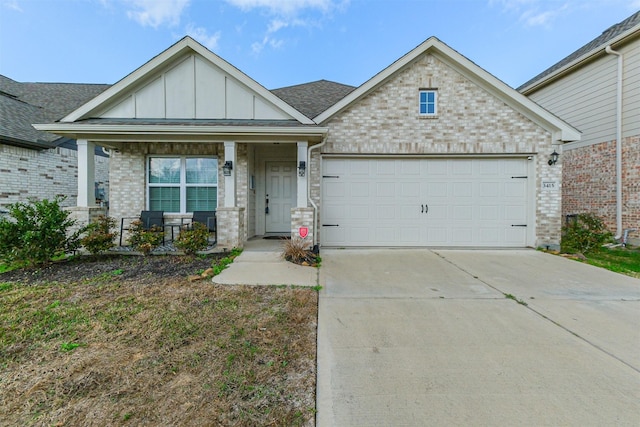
{"x": 35, "y": 232}
{"x": 587, "y": 233}
{"x": 100, "y": 235}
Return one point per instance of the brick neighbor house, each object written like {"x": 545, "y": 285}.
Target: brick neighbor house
{"x": 431, "y": 151}
{"x": 39, "y": 164}
{"x": 597, "y": 90}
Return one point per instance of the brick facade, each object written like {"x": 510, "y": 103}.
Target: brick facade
{"x": 470, "y": 121}
{"x": 590, "y": 182}
{"x": 44, "y": 174}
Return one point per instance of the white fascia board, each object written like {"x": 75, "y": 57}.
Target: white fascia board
{"x": 470, "y": 70}
{"x": 577, "y": 63}
{"x": 509, "y": 95}
{"x": 179, "y": 49}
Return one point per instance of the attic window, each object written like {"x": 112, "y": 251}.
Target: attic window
{"x": 428, "y": 102}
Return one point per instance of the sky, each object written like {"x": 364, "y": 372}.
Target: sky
{"x": 281, "y": 43}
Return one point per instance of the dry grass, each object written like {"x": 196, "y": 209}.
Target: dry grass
{"x": 105, "y": 351}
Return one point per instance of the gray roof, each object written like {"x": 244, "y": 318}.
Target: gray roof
{"x": 313, "y": 98}
{"x": 23, "y": 104}
{"x": 608, "y": 35}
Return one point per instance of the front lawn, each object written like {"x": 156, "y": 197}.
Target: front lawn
{"x": 131, "y": 341}
{"x": 620, "y": 260}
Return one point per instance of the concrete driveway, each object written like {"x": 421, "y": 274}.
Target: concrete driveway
{"x": 456, "y": 337}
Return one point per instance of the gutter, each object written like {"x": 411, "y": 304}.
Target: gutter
{"x": 618, "y": 141}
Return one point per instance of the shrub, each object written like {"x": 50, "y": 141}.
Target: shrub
{"x": 35, "y": 232}
{"x": 296, "y": 250}
{"x": 100, "y": 235}
{"x": 143, "y": 239}
{"x": 193, "y": 239}
{"x": 587, "y": 233}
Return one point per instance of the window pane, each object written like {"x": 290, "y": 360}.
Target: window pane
{"x": 431, "y": 96}
{"x": 164, "y": 199}
{"x": 423, "y": 108}
{"x": 202, "y": 171}
{"x": 431, "y": 109}
{"x": 202, "y": 199}
{"x": 423, "y": 96}
{"x": 164, "y": 170}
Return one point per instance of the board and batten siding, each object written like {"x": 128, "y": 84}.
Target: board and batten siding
{"x": 193, "y": 89}
{"x": 586, "y": 99}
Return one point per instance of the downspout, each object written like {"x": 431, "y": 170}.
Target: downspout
{"x": 618, "y": 143}
{"x": 316, "y": 224}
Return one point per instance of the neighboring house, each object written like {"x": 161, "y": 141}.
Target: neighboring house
{"x": 597, "y": 90}
{"x": 432, "y": 151}
{"x": 39, "y": 164}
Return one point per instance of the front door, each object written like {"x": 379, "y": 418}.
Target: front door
{"x": 280, "y": 196}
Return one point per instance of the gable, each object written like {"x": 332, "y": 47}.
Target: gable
{"x": 469, "y": 118}
{"x": 464, "y": 68}
{"x": 187, "y": 81}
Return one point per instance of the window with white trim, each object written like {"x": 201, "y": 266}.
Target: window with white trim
{"x": 428, "y": 102}
{"x": 182, "y": 184}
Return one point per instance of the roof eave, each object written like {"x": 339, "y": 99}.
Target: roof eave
{"x": 580, "y": 61}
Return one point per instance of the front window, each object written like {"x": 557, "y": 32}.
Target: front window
{"x": 428, "y": 102}
{"x": 182, "y": 184}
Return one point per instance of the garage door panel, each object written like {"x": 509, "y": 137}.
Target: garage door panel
{"x": 425, "y": 202}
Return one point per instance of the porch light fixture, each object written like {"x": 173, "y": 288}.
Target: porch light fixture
{"x": 226, "y": 169}
{"x": 554, "y": 158}
{"x": 302, "y": 167}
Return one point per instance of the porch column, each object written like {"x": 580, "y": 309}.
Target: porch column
{"x": 86, "y": 173}
{"x": 303, "y": 174}
{"x": 230, "y": 154}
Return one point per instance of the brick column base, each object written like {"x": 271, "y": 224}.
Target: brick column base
{"x": 230, "y": 227}
{"x": 84, "y": 215}
{"x": 302, "y": 217}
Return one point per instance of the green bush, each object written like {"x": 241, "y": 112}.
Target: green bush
{"x": 35, "y": 232}
{"x": 587, "y": 233}
{"x": 145, "y": 240}
{"x": 100, "y": 235}
{"x": 193, "y": 239}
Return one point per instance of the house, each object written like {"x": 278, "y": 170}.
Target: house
{"x": 35, "y": 163}
{"x": 431, "y": 151}
{"x": 597, "y": 90}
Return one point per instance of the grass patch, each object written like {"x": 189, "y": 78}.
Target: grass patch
{"x": 156, "y": 351}
{"x": 620, "y": 260}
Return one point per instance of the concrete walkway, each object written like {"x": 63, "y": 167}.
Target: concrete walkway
{"x": 454, "y": 337}
{"x": 260, "y": 263}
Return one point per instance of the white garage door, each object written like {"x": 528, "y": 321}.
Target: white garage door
{"x": 425, "y": 202}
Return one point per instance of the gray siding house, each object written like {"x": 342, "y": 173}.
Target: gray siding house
{"x": 431, "y": 151}
{"x": 39, "y": 164}
{"x": 597, "y": 90}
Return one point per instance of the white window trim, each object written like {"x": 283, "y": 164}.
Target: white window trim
{"x": 183, "y": 179}
{"x": 435, "y": 103}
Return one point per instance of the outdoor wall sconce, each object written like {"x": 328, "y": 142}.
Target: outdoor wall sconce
{"x": 227, "y": 168}
{"x": 302, "y": 167}
{"x": 554, "y": 158}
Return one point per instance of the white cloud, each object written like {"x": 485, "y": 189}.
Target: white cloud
{"x": 535, "y": 13}
{"x": 155, "y": 13}
{"x": 211, "y": 41}
{"x": 13, "y": 5}
{"x": 285, "y": 7}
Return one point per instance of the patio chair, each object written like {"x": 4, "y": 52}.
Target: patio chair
{"x": 207, "y": 218}
{"x": 149, "y": 220}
